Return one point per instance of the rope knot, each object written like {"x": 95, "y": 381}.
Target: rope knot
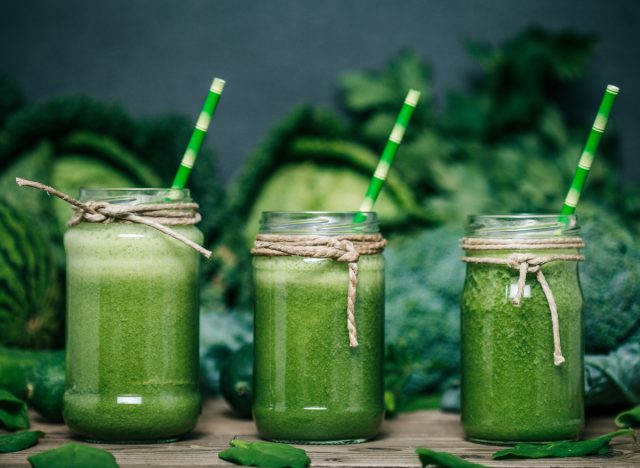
{"x": 516, "y": 260}
{"x": 350, "y": 255}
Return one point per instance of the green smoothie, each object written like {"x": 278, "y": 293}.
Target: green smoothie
{"x": 511, "y": 389}
{"x": 132, "y": 333}
{"x": 310, "y": 385}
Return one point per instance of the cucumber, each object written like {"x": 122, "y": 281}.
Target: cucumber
{"x": 236, "y": 381}
{"x": 15, "y": 365}
{"x": 45, "y": 386}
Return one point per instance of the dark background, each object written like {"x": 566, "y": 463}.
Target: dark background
{"x": 159, "y": 56}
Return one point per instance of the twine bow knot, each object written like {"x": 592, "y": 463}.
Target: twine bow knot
{"x": 529, "y": 263}
{"x": 345, "y": 249}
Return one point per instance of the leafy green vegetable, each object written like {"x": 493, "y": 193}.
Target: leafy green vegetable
{"x": 430, "y": 457}
{"x": 615, "y": 377}
{"x": 30, "y": 292}
{"x": 629, "y": 418}
{"x": 73, "y": 456}
{"x": 14, "y": 413}
{"x": 265, "y": 454}
{"x": 460, "y": 159}
{"x": 19, "y": 441}
{"x": 581, "y": 448}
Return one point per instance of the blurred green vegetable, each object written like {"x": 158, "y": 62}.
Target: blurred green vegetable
{"x": 19, "y": 441}
{"x": 629, "y": 418}
{"x": 610, "y": 278}
{"x": 46, "y": 384}
{"x": 265, "y": 454}
{"x": 430, "y": 457}
{"x": 468, "y": 156}
{"x": 14, "y": 413}
{"x": 221, "y": 333}
{"x": 422, "y": 312}
{"x": 30, "y": 297}
{"x": 236, "y": 381}
{"x": 614, "y": 378}
{"x": 73, "y": 456}
{"x": 15, "y": 365}
{"x": 565, "y": 448}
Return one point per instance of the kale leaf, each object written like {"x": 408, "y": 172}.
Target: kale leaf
{"x": 19, "y": 441}
{"x": 73, "y": 456}
{"x": 14, "y": 413}
{"x": 563, "y": 449}
{"x": 629, "y": 418}
{"x": 432, "y": 458}
{"x": 265, "y": 454}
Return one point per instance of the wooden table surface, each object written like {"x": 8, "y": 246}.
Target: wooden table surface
{"x": 393, "y": 448}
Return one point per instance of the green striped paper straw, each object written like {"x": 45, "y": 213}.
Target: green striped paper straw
{"x": 389, "y": 153}
{"x": 589, "y": 152}
{"x": 199, "y": 132}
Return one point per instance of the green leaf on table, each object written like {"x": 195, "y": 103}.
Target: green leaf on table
{"x": 19, "y": 441}
{"x": 580, "y": 448}
{"x": 265, "y": 454}
{"x": 73, "y": 456}
{"x": 430, "y": 457}
{"x": 14, "y": 413}
{"x": 629, "y": 418}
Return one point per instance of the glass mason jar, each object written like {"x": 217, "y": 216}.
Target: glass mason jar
{"x": 132, "y": 325}
{"x": 513, "y": 387}
{"x": 311, "y": 386}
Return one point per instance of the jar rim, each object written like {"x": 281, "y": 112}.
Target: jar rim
{"x": 135, "y": 195}
{"x": 522, "y": 225}
{"x": 329, "y": 223}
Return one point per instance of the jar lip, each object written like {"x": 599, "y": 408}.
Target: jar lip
{"x": 522, "y": 216}
{"x": 135, "y": 195}
{"x": 319, "y": 213}
{"x": 132, "y": 189}
{"x": 523, "y": 225}
{"x": 329, "y": 223}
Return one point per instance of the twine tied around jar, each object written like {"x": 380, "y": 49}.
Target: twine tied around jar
{"x": 157, "y": 216}
{"x": 529, "y": 263}
{"x": 345, "y": 249}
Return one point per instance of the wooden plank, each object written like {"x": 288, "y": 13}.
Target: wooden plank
{"x": 393, "y": 448}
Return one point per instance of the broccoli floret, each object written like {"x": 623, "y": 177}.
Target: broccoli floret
{"x": 424, "y": 281}
{"x": 610, "y": 278}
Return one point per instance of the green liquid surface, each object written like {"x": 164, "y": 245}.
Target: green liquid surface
{"x": 511, "y": 389}
{"x": 132, "y": 333}
{"x": 310, "y": 385}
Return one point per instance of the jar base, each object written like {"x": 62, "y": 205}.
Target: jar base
{"x": 319, "y": 442}
{"x": 507, "y": 443}
{"x": 130, "y": 442}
